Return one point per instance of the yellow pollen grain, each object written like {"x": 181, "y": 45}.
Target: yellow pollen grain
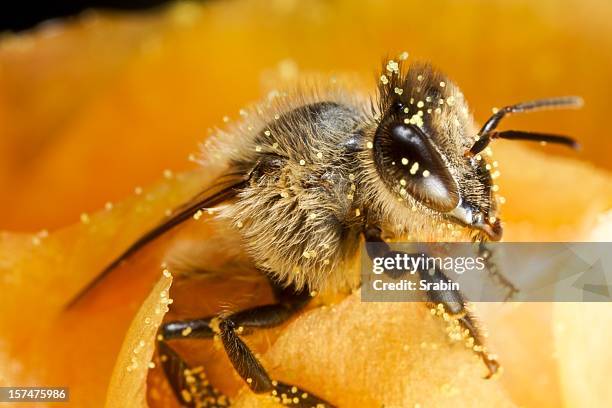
{"x": 85, "y": 218}
{"x": 414, "y": 168}
{"x": 403, "y": 182}
{"x": 369, "y": 145}
{"x": 403, "y": 56}
{"x": 258, "y": 148}
{"x": 357, "y": 212}
{"x": 186, "y": 395}
{"x": 319, "y": 155}
{"x": 186, "y": 331}
{"x": 384, "y": 79}
{"x": 225, "y": 119}
{"x": 167, "y": 174}
{"x": 302, "y": 162}
{"x": 392, "y": 66}
{"x": 398, "y": 91}
{"x": 419, "y": 77}
{"x": 420, "y": 104}
{"x": 239, "y": 224}
{"x": 416, "y": 119}
{"x": 442, "y": 84}
{"x": 406, "y": 110}
{"x": 197, "y": 215}
{"x": 404, "y": 161}
{"x": 267, "y": 132}
{"x": 495, "y": 187}
{"x": 426, "y": 173}
{"x": 108, "y": 206}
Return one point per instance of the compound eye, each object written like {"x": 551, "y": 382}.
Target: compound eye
{"x": 409, "y": 164}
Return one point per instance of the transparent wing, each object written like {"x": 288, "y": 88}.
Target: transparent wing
{"x": 223, "y": 189}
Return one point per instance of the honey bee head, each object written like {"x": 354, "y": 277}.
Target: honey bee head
{"x": 422, "y": 132}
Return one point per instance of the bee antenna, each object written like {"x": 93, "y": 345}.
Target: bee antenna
{"x": 488, "y": 133}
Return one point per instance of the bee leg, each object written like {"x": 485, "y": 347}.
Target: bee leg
{"x": 190, "y": 385}
{"x": 289, "y": 301}
{"x": 448, "y": 304}
{"x": 454, "y": 309}
{"x": 487, "y": 254}
{"x": 255, "y": 375}
{"x": 242, "y": 358}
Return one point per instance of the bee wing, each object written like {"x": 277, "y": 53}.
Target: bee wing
{"x": 222, "y": 190}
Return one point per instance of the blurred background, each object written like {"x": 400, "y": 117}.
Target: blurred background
{"x": 98, "y": 98}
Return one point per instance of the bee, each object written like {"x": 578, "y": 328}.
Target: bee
{"x": 311, "y": 174}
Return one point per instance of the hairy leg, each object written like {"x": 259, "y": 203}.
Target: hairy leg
{"x": 195, "y": 393}
{"x": 448, "y": 304}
